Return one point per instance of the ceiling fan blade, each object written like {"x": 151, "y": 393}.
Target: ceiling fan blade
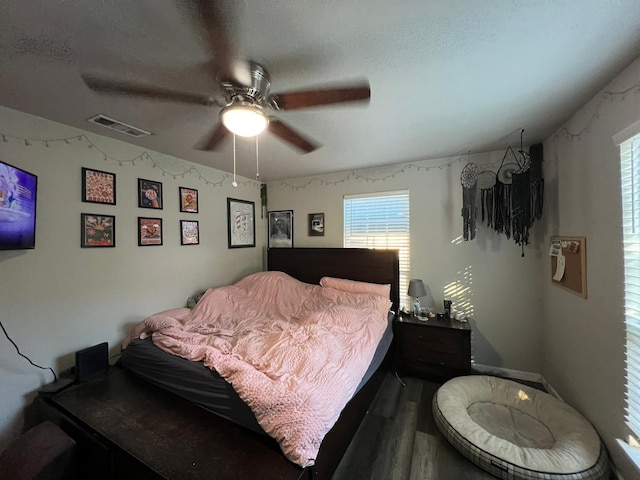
{"x": 214, "y": 139}
{"x": 103, "y": 85}
{"x": 212, "y": 19}
{"x": 322, "y": 96}
{"x": 289, "y": 135}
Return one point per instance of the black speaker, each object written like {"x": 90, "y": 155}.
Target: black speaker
{"x": 537, "y": 157}
{"x": 92, "y": 361}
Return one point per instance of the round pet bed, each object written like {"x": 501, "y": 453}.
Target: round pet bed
{"x": 517, "y": 432}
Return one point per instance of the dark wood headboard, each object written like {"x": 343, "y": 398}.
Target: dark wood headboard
{"x": 309, "y": 265}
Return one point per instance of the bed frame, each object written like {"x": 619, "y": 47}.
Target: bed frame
{"x": 126, "y": 427}
{"x": 374, "y": 266}
{"x": 362, "y": 264}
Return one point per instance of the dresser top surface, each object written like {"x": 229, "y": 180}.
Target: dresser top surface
{"x": 172, "y": 436}
{"x": 433, "y": 322}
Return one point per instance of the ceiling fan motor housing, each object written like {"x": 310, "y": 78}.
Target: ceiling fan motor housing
{"x": 255, "y": 93}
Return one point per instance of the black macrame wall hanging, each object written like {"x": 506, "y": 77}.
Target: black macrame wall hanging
{"x": 510, "y": 199}
{"x": 469, "y": 181}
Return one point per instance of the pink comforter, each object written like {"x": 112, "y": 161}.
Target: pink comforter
{"x": 294, "y": 352}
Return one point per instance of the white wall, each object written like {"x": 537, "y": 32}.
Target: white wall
{"x": 583, "y": 339}
{"x": 502, "y": 287}
{"x": 59, "y": 298}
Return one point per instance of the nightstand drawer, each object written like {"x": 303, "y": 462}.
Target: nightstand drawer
{"x": 443, "y": 359}
{"x": 436, "y": 348}
{"x": 420, "y": 339}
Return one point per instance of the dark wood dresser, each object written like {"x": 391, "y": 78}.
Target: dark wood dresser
{"x": 126, "y": 428}
{"x": 433, "y": 348}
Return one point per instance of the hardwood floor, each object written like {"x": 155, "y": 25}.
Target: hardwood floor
{"x": 398, "y": 439}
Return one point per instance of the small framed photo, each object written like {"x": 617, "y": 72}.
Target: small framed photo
{"x": 149, "y": 194}
{"x": 98, "y": 186}
{"x": 97, "y": 230}
{"x": 189, "y": 232}
{"x": 241, "y": 223}
{"x": 316, "y": 224}
{"x": 149, "y": 231}
{"x": 188, "y": 200}
{"x": 281, "y": 229}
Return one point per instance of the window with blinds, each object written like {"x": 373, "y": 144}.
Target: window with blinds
{"x": 380, "y": 220}
{"x": 630, "y": 183}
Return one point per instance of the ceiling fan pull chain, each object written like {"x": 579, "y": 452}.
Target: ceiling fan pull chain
{"x": 257, "y": 161}
{"x": 234, "y": 183}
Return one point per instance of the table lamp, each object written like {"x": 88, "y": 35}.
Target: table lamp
{"x": 416, "y": 290}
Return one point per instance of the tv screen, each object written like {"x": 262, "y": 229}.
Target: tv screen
{"x": 18, "y": 190}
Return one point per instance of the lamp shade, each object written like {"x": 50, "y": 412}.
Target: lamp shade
{"x": 416, "y": 288}
{"x": 244, "y": 119}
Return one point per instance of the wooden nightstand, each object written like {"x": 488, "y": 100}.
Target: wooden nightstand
{"x": 438, "y": 348}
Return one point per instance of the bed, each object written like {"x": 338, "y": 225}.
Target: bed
{"x": 206, "y": 388}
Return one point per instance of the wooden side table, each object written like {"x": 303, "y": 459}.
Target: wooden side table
{"x": 433, "y": 348}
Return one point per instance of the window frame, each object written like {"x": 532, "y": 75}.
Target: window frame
{"x": 629, "y": 143}
{"x": 401, "y": 222}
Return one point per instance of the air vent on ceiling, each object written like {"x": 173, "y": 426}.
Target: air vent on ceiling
{"x": 117, "y": 126}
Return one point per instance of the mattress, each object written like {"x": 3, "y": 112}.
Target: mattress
{"x": 205, "y": 387}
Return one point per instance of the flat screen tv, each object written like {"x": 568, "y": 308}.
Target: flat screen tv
{"x": 18, "y": 192}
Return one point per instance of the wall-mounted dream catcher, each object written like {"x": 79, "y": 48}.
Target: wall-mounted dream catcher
{"x": 469, "y": 181}
{"x": 510, "y": 199}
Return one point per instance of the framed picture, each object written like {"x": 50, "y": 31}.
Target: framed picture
{"x": 97, "y": 230}
{"x": 241, "y": 223}
{"x": 189, "y": 232}
{"x": 149, "y": 194}
{"x": 149, "y": 231}
{"x": 98, "y": 186}
{"x": 316, "y": 224}
{"x": 281, "y": 229}
{"x": 188, "y": 200}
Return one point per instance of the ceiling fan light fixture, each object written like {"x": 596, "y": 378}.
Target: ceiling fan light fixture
{"x": 244, "y": 119}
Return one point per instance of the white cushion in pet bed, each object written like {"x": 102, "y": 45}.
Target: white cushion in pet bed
{"x": 517, "y": 432}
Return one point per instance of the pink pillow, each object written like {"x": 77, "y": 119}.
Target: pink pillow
{"x": 352, "y": 286}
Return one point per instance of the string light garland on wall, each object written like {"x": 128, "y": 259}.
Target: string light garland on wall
{"x": 360, "y": 175}
{"x": 609, "y": 96}
{"x": 366, "y": 175}
{"x": 356, "y": 175}
{"x": 85, "y": 141}
{"x": 605, "y": 96}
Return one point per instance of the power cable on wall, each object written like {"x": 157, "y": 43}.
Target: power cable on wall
{"x": 55, "y": 377}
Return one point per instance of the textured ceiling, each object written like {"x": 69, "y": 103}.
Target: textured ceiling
{"x": 447, "y": 76}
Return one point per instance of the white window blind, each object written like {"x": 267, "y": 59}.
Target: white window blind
{"x": 630, "y": 183}
{"x": 380, "y": 220}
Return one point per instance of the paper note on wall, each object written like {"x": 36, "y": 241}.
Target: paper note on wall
{"x": 573, "y": 246}
{"x": 556, "y": 248}
{"x": 560, "y": 264}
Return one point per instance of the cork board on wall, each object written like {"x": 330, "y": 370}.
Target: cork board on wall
{"x": 569, "y": 264}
